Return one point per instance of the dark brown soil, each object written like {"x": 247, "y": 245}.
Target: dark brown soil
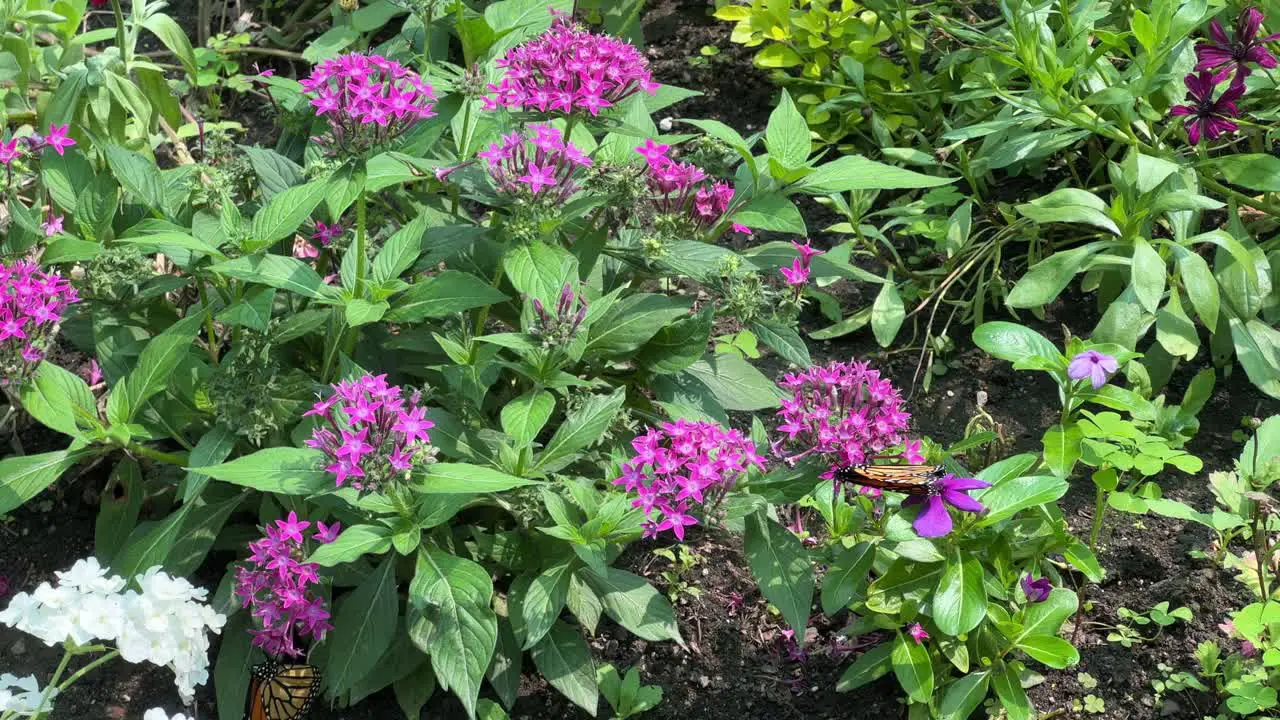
{"x": 735, "y": 666}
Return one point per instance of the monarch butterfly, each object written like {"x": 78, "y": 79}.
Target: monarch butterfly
{"x": 281, "y": 692}
{"x": 908, "y": 479}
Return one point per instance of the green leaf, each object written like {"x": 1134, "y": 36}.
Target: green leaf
{"x": 735, "y": 383}
{"x": 632, "y": 321}
{"x": 174, "y": 38}
{"x": 855, "y": 172}
{"x": 281, "y": 272}
{"x": 524, "y": 417}
{"x": 1050, "y": 650}
{"x": 912, "y": 667}
{"x": 634, "y": 604}
{"x": 846, "y": 576}
{"x": 276, "y": 173}
{"x": 23, "y": 477}
{"x": 461, "y": 478}
{"x": 1256, "y": 171}
{"x": 253, "y": 312}
{"x": 542, "y": 602}
{"x": 362, "y": 312}
{"x": 118, "y": 512}
{"x": 869, "y": 667}
{"x": 156, "y": 365}
{"x": 463, "y": 628}
{"x": 213, "y": 447}
{"x": 771, "y": 211}
{"x": 504, "y": 672}
{"x": 1013, "y": 698}
{"x": 1201, "y": 287}
{"x": 285, "y": 470}
{"x": 1174, "y": 330}
{"x": 787, "y": 134}
{"x": 562, "y": 657}
{"x": 1070, "y": 205}
{"x": 777, "y": 55}
{"x": 330, "y": 43}
{"x": 783, "y": 339}
{"x": 56, "y": 398}
{"x": 887, "y": 314}
{"x": 1010, "y": 497}
{"x": 284, "y": 214}
{"x": 363, "y": 628}
{"x": 1012, "y": 342}
{"x": 449, "y": 292}
{"x": 138, "y": 175}
{"x": 1062, "y": 448}
{"x": 960, "y": 602}
{"x": 539, "y": 270}
{"x": 1046, "y": 279}
{"x": 964, "y": 696}
{"x": 680, "y": 344}
{"x": 354, "y": 543}
{"x": 1258, "y": 349}
{"x": 413, "y": 690}
{"x": 400, "y": 250}
{"x": 581, "y": 428}
{"x": 782, "y": 567}
{"x": 1148, "y": 275}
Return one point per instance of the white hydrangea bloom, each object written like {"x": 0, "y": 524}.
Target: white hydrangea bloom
{"x": 165, "y": 624}
{"x": 160, "y": 714}
{"x": 22, "y": 695}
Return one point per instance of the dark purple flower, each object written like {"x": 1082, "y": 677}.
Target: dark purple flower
{"x": 934, "y": 520}
{"x": 1093, "y": 365}
{"x": 1205, "y": 116}
{"x": 1037, "y": 591}
{"x": 1245, "y": 48}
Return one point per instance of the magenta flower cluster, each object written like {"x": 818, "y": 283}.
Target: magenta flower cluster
{"x": 570, "y": 70}
{"x": 683, "y": 189}
{"x": 369, "y": 433}
{"x": 31, "y": 306}
{"x": 1209, "y": 117}
{"x": 56, "y": 139}
{"x": 277, "y": 584}
{"x": 543, "y": 164}
{"x": 798, "y": 273}
{"x": 842, "y": 411}
{"x": 368, "y": 100}
{"x": 681, "y": 464}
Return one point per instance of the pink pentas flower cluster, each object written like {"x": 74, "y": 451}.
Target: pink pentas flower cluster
{"x": 681, "y": 464}
{"x": 543, "y": 164}
{"x": 842, "y": 411}
{"x": 368, "y": 100}
{"x": 570, "y": 70}
{"x": 278, "y": 586}
{"x": 369, "y": 432}
{"x": 56, "y": 139}
{"x": 683, "y": 189}
{"x": 32, "y": 303}
{"x": 798, "y": 274}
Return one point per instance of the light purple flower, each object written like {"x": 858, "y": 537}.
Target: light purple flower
{"x": 935, "y": 519}
{"x": 52, "y": 225}
{"x": 1093, "y": 365}
{"x": 1207, "y": 117}
{"x": 1037, "y": 591}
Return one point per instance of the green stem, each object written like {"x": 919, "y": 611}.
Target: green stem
{"x": 1267, "y": 207}
{"x": 120, "y": 39}
{"x": 169, "y": 458}
{"x": 87, "y": 669}
{"x": 66, "y": 654}
{"x": 1099, "y": 511}
{"x": 208, "y": 324}
{"x": 362, "y": 206}
{"x": 483, "y": 316}
{"x": 464, "y": 149}
{"x": 1260, "y": 552}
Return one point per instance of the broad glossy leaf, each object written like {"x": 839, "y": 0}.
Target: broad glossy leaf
{"x": 363, "y": 628}
{"x": 24, "y": 476}
{"x": 1050, "y": 650}
{"x": 913, "y": 668}
{"x": 562, "y": 657}
{"x": 964, "y": 696}
{"x": 354, "y": 543}
{"x": 845, "y": 576}
{"x": 855, "y": 172}
{"x": 782, "y": 567}
{"x": 869, "y": 667}
{"x": 960, "y": 602}
{"x": 634, "y": 604}
{"x": 1012, "y": 342}
{"x": 542, "y": 603}
{"x": 524, "y": 417}
{"x": 461, "y": 479}
{"x": 290, "y": 471}
{"x": 449, "y": 292}
{"x": 581, "y": 428}
{"x": 1005, "y": 500}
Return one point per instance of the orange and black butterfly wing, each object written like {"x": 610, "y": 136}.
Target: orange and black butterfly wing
{"x": 289, "y": 694}
{"x": 907, "y": 479}
{"x": 254, "y": 706}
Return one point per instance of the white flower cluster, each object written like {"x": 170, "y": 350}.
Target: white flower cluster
{"x": 160, "y": 714}
{"x": 22, "y": 695}
{"x": 164, "y": 624}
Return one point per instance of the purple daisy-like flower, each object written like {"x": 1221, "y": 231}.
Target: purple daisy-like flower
{"x": 1238, "y": 52}
{"x": 1207, "y": 117}
{"x": 1037, "y": 591}
{"x": 1093, "y": 365}
{"x": 935, "y": 520}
